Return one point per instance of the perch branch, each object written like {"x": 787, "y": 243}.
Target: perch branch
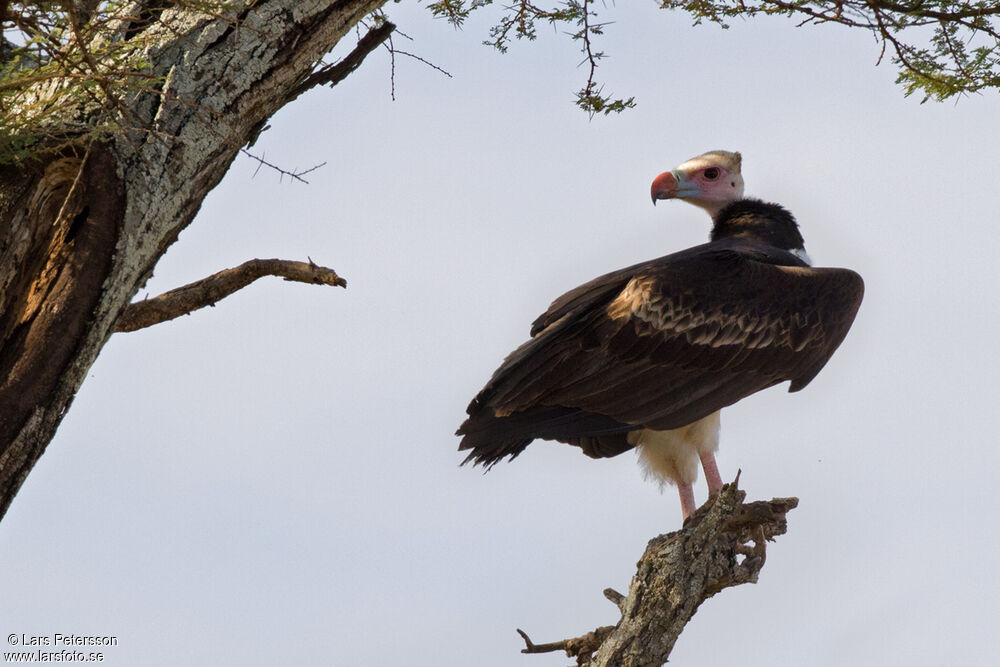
{"x": 208, "y": 291}
{"x": 723, "y": 544}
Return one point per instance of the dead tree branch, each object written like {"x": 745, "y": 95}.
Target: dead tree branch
{"x": 723, "y": 544}
{"x": 337, "y": 72}
{"x": 210, "y": 290}
{"x": 294, "y": 175}
{"x": 584, "y": 645}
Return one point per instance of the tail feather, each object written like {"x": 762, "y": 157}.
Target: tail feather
{"x": 492, "y": 438}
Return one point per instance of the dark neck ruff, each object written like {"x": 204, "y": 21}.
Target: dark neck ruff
{"x": 762, "y": 221}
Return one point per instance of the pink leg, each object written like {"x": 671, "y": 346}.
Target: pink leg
{"x": 687, "y": 499}
{"x": 711, "y": 472}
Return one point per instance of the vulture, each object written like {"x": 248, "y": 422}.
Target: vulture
{"x": 647, "y": 356}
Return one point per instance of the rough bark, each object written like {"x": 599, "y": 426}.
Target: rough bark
{"x": 723, "y": 544}
{"x": 82, "y": 228}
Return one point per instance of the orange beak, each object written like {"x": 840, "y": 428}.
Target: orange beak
{"x": 664, "y": 186}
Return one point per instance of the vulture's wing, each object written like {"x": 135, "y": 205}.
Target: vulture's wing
{"x": 663, "y": 344}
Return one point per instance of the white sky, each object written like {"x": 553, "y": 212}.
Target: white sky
{"x": 275, "y": 481}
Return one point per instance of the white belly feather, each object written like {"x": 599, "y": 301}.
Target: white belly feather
{"x": 673, "y": 456}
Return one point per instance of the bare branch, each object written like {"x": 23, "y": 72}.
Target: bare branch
{"x": 210, "y": 290}
{"x": 580, "y": 648}
{"x": 261, "y": 162}
{"x": 422, "y": 60}
{"x": 337, "y": 72}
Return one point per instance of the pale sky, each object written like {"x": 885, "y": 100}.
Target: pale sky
{"x": 275, "y": 480}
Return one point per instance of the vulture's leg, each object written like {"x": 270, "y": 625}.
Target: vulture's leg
{"x": 686, "y": 491}
{"x": 711, "y": 472}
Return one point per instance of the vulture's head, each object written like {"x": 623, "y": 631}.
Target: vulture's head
{"x": 710, "y": 181}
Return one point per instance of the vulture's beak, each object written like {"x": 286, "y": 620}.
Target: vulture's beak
{"x": 672, "y": 185}
{"x": 664, "y": 187}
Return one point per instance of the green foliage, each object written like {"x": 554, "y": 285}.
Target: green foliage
{"x": 68, "y": 69}
{"x": 520, "y": 20}
{"x": 952, "y": 66}
{"x": 954, "y": 46}
{"x": 961, "y": 55}
{"x": 456, "y": 11}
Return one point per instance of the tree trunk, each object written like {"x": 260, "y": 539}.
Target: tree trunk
{"x": 82, "y": 228}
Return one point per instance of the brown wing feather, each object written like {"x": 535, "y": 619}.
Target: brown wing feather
{"x": 705, "y": 332}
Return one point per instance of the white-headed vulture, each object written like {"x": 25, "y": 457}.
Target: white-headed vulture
{"x": 645, "y": 357}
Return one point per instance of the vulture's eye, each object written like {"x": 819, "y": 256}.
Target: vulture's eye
{"x": 712, "y": 173}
